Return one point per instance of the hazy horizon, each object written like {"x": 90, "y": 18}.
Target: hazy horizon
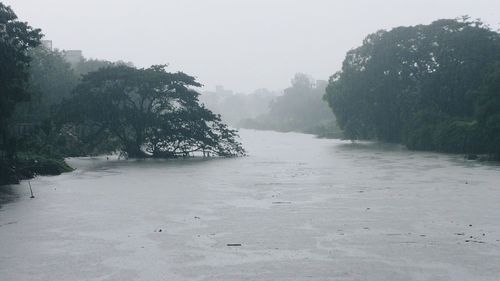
{"x": 242, "y": 45}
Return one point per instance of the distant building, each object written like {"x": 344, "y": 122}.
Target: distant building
{"x": 220, "y": 90}
{"x": 47, "y": 44}
{"x": 73, "y": 57}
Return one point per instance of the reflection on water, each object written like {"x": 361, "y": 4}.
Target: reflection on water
{"x": 377, "y": 147}
{"x": 7, "y": 194}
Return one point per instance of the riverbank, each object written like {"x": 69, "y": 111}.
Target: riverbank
{"x": 332, "y": 132}
{"x": 328, "y": 130}
{"x": 27, "y": 166}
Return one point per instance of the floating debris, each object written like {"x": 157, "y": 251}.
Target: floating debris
{"x": 475, "y": 241}
{"x": 234, "y": 245}
{"x": 282, "y": 202}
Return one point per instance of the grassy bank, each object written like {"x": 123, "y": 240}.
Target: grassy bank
{"x": 28, "y": 165}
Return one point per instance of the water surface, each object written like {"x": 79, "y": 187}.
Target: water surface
{"x": 302, "y": 209}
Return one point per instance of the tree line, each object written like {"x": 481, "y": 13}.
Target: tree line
{"x": 430, "y": 87}
{"x": 235, "y": 107}
{"x": 50, "y": 109}
{"x": 301, "y": 108}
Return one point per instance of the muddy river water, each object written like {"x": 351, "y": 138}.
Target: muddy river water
{"x": 297, "y": 208}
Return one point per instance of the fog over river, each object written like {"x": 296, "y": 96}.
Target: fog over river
{"x": 302, "y": 209}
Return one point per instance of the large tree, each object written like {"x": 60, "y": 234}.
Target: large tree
{"x": 16, "y": 39}
{"x": 149, "y": 112}
{"x": 488, "y": 112}
{"x": 51, "y": 80}
{"x": 415, "y": 85}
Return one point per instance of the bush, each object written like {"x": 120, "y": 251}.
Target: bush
{"x": 29, "y": 165}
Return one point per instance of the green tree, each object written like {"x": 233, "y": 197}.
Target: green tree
{"x": 301, "y": 108}
{"x": 89, "y": 65}
{"x": 16, "y": 39}
{"x": 149, "y": 112}
{"x": 415, "y": 85}
{"x": 51, "y": 80}
{"x": 488, "y": 112}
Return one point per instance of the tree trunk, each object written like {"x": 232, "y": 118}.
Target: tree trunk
{"x": 134, "y": 150}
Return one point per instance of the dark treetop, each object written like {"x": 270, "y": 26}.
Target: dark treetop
{"x": 425, "y": 86}
{"x": 148, "y": 112}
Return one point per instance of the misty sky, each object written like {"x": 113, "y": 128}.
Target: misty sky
{"x": 241, "y": 44}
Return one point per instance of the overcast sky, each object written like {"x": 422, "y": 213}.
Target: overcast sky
{"x": 241, "y": 44}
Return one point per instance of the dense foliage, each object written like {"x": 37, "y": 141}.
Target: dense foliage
{"x": 16, "y": 39}
{"x": 429, "y": 87}
{"x": 50, "y": 109}
{"x": 51, "y": 80}
{"x": 301, "y": 108}
{"x": 147, "y": 112}
{"x": 488, "y": 112}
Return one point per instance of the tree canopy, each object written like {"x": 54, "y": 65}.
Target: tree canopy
{"x": 51, "y": 80}
{"x": 301, "y": 108}
{"x": 416, "y": 85}
{"x": 150, "y": 112}
{"x": 16, "y": 39}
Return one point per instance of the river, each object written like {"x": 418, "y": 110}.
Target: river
{"x": 302, "y": 208}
